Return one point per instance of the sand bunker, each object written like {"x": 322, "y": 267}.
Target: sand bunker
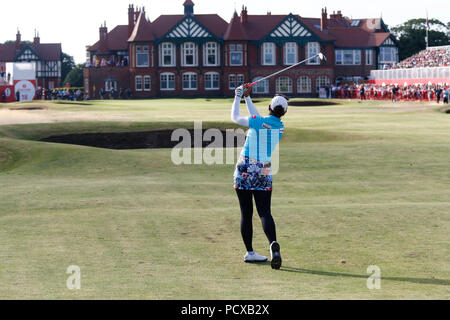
{"x": 161, "y": 139}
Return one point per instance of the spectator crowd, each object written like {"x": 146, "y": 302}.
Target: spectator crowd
{"x": 415, "y": 92}
{"x": 111, "y": 62}
{"x": 424, "y": 59}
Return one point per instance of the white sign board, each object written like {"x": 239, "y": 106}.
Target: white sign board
{"x": 21, "y": 71}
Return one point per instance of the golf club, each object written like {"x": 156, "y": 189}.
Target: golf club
{"x": 320, "y": 55}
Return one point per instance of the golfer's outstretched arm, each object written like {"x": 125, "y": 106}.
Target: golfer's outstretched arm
{"x": 251, "y": 107}
{"x": 235, "y": 115}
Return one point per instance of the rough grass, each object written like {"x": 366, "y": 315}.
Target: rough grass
{"x": 365, "y": 184}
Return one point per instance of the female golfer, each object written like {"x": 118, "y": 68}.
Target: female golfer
{"x": 253, "y": 175}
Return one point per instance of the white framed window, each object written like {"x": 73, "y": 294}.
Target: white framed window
{"x": 167, "y": 82}
{"x": 189, "y": 81}
{"x": 138, "y": 83}
{"x": 369, "y": 57}
{"x": 304, "y": 85}
{"x": 388, "y": 55}
{"x": 262, "y": 87}
{"x": 240, "y": 80}
{"x": 167, "y": 55}
{"x": 147, "y": 83}
{"x": 110, "y": 84}
{"x": 284, "y": 85}
{"x": 189, "y": 50}
{"x": 236, "y": 55}
{"x": 322, "y": 81}
{"x": 313, "y": 49}
{"x": 211, "y": 81}
{"x": 348, "y": 57}
{"x": 290, "y": 53}
{"x": 268, "y": 54}
{"x": 211, "y": 54}
{"x": 142, "y": 56}
{"x": 235, "y": 80}
{"x": 232, "y": 82}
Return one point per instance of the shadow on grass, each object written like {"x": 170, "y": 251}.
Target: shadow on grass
{"x": 348, "y": 275}
{"x": 338, "y": 274}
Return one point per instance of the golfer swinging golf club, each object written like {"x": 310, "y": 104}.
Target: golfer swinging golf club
{"x": 253, "y": 175}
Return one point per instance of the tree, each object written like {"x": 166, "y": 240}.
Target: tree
{"x": 67, "y": 64}
{"x": 412, "y": 36}
{"x": 75, "y": 76}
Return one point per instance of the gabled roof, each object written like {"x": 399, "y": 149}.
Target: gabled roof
{"x": 235, "y": 30}
{"x": 142, "y": 30}
{"x": 213, "y": 22}
{"x": 47, "y": 51}
{"x": 117, "y": 40}
{"x": 261, "y": 26}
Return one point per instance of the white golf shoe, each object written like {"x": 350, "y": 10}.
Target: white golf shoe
{"x": 253, "y": 257}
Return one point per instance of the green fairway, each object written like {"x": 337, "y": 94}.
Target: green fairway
{"x": 360, "y": 184}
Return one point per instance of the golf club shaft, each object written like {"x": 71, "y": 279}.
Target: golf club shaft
{"x": 284, "y": 70}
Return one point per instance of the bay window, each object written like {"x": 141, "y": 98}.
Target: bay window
{"x": 290, "y": 53}
{"x": 268, "y": 54}
{"x": 167, "y": 55}
{"x": 189, "y": 54}
{"x": 236, "y": 55}
{"x": 142, "y": 56}
{"x": 211, "y": 54}
{"x": 313, "y": 49}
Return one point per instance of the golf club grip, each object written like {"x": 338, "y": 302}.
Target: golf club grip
{"x": 249, "y": 85}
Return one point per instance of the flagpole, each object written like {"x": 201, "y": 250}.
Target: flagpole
{"x": 428, "y": 27}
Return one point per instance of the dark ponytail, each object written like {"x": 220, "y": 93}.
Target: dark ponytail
{"x": 277, "y": 112}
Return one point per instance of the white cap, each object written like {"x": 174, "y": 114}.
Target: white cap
{"x": 279, "y": 101}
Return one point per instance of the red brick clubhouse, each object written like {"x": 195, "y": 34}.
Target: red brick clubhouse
{"x": 202, "y": 55}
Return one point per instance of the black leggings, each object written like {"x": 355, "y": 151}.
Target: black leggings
{"x": 263, "y": 203}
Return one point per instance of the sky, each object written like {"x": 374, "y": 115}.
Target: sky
{"x": 76, "y": 24}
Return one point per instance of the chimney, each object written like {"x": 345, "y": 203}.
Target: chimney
{"x": 336, "y": 16}
{"x": 103, "y": 38}
{"x": 37, "y": 39}
{"x": 131, "y": 19}
{"x": 244, "y": 15}
{"x": 324, "y": 20}
{"x": 18, "y": 39}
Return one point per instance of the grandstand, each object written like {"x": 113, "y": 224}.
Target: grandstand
{"x": 428, "y": 66}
